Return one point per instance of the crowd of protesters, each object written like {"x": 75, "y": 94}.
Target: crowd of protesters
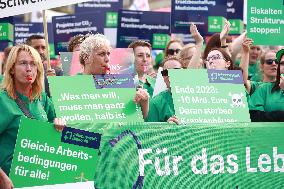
{"x": 25, "y": 91}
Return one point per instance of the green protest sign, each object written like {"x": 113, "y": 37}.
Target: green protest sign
{"x": 265, "y": 22}
{"x": 160, "y": 40}
{"x": 111, "y": 19}
{"x": 238, "y": 155}
{"x": 215, "y": 23}
{"x": 76, "y": 99}
{"x": 237, "y": 26}
{"x": 217, "y": 96}
{"x": 6, "y": 32}
{"x": 45, "y": 158}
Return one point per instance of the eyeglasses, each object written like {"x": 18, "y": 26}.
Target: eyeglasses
{"x": 281, "y": 63}
{"x": 270, "y": 61}
{"x": 173, "y": 51}
{"x": 214, "y": 57}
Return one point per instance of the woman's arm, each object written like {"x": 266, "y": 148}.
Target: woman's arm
{"x": 244, "y": 64}
{"x": 195, "y": 60}
{"x": 237, "y": 45}
{"x": 223, "y": 34}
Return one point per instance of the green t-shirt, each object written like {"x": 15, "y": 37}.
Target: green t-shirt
{"x": 10, "y": 115}
{"x": 255, "y": 85}
{"x": 1, "y": 78}
{"x": 149, "y": 85}
{"x": 161, "y": 107}
{"x": 264, "y": 100}
{"x": 254, "y": 72}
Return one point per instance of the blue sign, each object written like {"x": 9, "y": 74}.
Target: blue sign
{"x": 81, "y": 138}
{"x": 142, "y": 25}
{"x": 25, "y": 30}
{"x": 9, "y": 19}
{"x": 91, "y": 6}
{"x": 186, "y": 12}
{"x": 225, "y": 76}
{"x": 235, "y": 9}
{"x": 4, "y": 44}
{"x": 65, "y": 27}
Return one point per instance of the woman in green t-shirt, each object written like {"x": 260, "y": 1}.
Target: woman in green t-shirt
{"x": 267, "y": 102}
{"x": 21, "y": 95}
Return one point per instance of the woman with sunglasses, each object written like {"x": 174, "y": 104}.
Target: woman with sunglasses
{"x": 161, "y": 107}
{"x": 173, "y": 47}
{"x": 268, "y": 67}
{"x": 21, "y": 95}
{"x": 267, "y": 102}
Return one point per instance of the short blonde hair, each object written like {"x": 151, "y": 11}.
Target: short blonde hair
{"x": 8, "y": 81}
{"x": 90, "y": 43}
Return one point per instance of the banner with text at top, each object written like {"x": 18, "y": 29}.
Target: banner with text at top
{"x": 90, "y": 6}
{"x": 153, "y": 27}
{"x": 217, "y": 96}
{"x": 183, "y": 13}
{"x": 65, "y": 27}
{"x": 195, "y": 156}
{"x": 25, "y": 30}
{"x": 10, "y": 8}
{"x": 48, "y": 159}
{"x": 265, "y": 22}
{"x": 107, "y": 98}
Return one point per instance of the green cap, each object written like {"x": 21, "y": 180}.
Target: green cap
{"x": 279, "y": 54}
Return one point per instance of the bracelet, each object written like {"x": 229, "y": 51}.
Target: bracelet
{"x": 224, "y": 46}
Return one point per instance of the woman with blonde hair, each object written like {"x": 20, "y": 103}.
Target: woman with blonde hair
{"x": 21, "y": 95}
{"x": 173, "y": 47}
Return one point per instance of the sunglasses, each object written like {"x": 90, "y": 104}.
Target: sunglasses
{"x": 173, "y": 51}
{"x": 270, "y": 61}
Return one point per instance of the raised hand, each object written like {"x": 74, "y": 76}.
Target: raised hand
{"x": 225, "y": 32}
{"x": 247, "y": 43}
{"x": 195, "y": 34}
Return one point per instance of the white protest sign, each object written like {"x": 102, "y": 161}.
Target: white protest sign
{"x": 15, "y": 7}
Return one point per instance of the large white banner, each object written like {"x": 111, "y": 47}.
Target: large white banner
{"x": 15, "y": 7}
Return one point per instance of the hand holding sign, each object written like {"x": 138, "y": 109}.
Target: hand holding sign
{"x": 173, "y": 119}
{"x": 59, "y": 124}
{"x": 5, "y": 182}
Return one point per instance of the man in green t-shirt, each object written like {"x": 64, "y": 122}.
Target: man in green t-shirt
{"x": 142, "y": 52}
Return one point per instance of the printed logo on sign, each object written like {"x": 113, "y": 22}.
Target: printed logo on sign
{"x": 225, "y": 76}
{"x": 114, "y": 81}
{"x": 237, "y": 100}
{"x": 81, "y": 138}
